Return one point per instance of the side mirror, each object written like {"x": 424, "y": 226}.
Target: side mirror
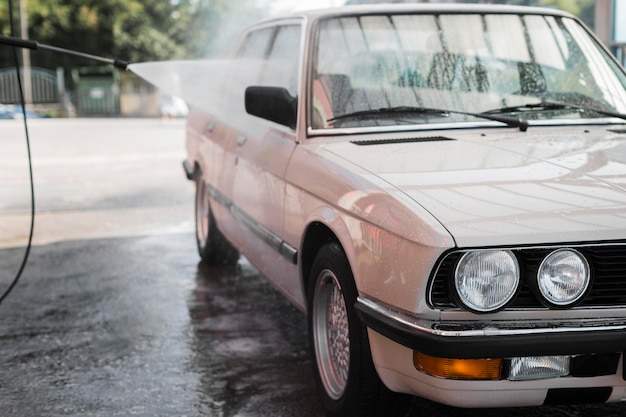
{"x": 272, "y": 103}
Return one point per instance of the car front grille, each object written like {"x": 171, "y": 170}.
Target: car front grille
{"x": 608, "y": 277}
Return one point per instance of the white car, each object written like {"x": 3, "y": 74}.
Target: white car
{"x": 441, "y": 189}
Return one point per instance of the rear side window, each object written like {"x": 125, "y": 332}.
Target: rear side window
{"x": 282, "y": 64}
{"x": 256, "y": 44}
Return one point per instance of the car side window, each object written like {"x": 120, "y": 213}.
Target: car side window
{"x": 255, "y": 45}
{"x": 281, "y": 69}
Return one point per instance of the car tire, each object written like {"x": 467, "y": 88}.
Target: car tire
{"x": 213, "y": 247}
{"x": 346, "y": 379}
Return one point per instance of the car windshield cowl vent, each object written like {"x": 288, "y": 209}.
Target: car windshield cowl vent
{"x": 400, "y": 140}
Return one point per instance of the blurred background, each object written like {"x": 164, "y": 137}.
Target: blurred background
{"x": 58, "y": 85}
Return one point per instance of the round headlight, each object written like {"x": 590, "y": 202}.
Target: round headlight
{"x": 563, "y": 277}
{"x": 486, "y": 280}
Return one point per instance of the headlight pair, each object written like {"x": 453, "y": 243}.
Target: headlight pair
{"x": 487, "y": 280}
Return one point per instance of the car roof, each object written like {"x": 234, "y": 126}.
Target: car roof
{"x": 429, "y": 8}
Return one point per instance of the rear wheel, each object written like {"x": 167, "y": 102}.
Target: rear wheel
{"x": 213, "y": 247}
{"x": 346, "y": 378}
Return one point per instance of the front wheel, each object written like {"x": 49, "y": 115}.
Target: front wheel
{"x": 345, "y": 375}
{"x": 213, "y": 247}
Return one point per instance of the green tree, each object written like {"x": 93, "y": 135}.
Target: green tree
{"x": 131, "y": 30}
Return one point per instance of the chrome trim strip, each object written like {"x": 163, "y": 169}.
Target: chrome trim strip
{"x": 401, "y": 128}
{"x": 219, "y": 197}
{"x": 312, "y": 133}
{"x": 289, "y": 252}
{"x": 495, "y": 329}
{"x": 273, "y": 240}
{"x": 258, "y": 229}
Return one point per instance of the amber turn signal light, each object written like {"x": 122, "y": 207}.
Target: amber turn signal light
{"x": 474, "y": 369}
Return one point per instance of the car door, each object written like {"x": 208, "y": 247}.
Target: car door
{"x": 263, "y": 152}
{"x": 222, "y": 130}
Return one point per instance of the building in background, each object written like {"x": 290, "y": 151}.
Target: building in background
{"x": 610, "y": 25}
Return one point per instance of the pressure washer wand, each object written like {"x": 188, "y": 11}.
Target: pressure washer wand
{"x": 34, "y": 45}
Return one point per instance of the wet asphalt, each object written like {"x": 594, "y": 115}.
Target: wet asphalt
{"x": 135, "y": 327}
{"x": 115, "y": 316}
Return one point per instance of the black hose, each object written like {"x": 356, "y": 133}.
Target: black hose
{"x": 30, "y": 167}
{"x": 16, "y": 43}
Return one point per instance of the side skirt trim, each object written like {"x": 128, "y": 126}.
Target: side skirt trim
{"x": 272, "y": 239}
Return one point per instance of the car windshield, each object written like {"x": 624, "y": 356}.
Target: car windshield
{"x": 465, "y": 63}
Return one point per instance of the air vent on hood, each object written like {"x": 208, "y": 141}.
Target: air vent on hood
{"x": 401, "y": 140}
{"x": 620, "y": 131}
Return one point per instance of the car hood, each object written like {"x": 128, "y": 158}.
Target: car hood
{"x": 546, "y": 185}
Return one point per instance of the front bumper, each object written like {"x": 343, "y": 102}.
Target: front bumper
{"x": 502, "y": 339}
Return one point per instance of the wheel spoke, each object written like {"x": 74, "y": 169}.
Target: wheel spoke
{"x": 331, "y": 335}
{"x": 338, "y": 329}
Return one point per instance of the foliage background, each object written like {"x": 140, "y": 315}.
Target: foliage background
{"x": 131, "y": 30}
{"x": 584, "y": 9}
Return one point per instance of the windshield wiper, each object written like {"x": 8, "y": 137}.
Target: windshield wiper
{"x": 408, "y": 110}
{"x": 553, "y": 105}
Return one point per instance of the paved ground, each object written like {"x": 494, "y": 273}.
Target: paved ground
{"x": 115, "y": 316}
